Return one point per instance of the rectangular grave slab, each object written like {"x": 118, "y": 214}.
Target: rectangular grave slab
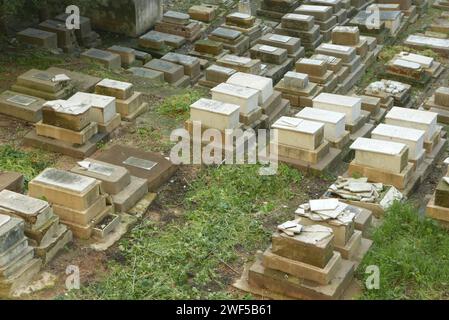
{"x": 226, "y": 34}
{"x": 291, "y": 44}
{"x": 21, "y": 206}
{"x": 218, "y": 74}
{"x": 334, "y": 122}
{"x": 442, "y": 194}
{"x": 350, "y": 106}
{"x": 299, "y": 133}
{"x": 113, "y": 178}
{"x": 296, "y": 80}
{"x": 379, "y": 154}
{"x": 42, "y": 81}
{"x": 242, "y": 64}
{"x": 176, "y": 17}
{"x": 269, "y": 54}
{"x": 413, "y": 138}
{"x": 415, "y": 119}
{"x": 118, "y": 89}
{"x": 345, "y": 35}
{"x": 262, "y": 84}
{"x": 159, "y": 40}
{"x": 246, "y": 98}
{"x": 81, "y": 82}
{"x": 442, "y": 96}
{"x": 204, "y": 12}
{"x": 346, "y": 53}
{"x": 209, "y": 46}
{"x": 439, "y": 45}
{"x": 311, "y": 67}
{"x": 66, "y": 37}
{"x": 69, "y": 115}
{"x": 103, "y": 108}
{"x": 109, "y": 60}
{"x": 321, "y": 13}
{"x": 12, "y": 181}
{"x": 21, "y": 106}
{"x": 38, "y": 38}
{"x": 240, "y": 19}
{"x": 66, "y": 135}
{"x": 215, "y": 114}
{"x": 153, "y": 167}
{"x": 192, "y": 66}
{"x": 128, "y": 55}
{"x": 172, "y": 72}
{"x": 11, "y": 232}
{"x": 147, "y": 73}
{"x": 298, "y": 21}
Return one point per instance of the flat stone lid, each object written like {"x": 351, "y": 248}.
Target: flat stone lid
{"x": 314, "y": 62}
{"x": 234, "y": 90}
{"x": 345, "y": 29}
{"x": 65, "y": 180}
{"x": 298, "y": 125}
{"x": 280, "y": 38}
{"x": 424, "y": 61}
{"x": 22, "y": 100}
{"x": 181, "y": 58}
{"x": 32, "y": 32}
{"x": 267, "y": 48}
{"x": 17, "y": 202}
{"x": 327, "y": 1}
{"x": 176, "y": 15}
{"x": 144, "y": 164}
{"x": 336, "y": 47}
{"x": 297, "y": 75}
{"x": 96, "y": 53}
{"x": 406, "y": 64}
{"x": 95, "y": 100}
{"x": 101, "y": 168}
{"x": 226, "y": 33}
{"x": 119, "y": 85}
{"x": 314, "y": 234}
{"x": 215, "y": 106}
{"x": 412, "y": 115}
{"x": 378, "y": 146}
{"x": 325, "y": 57}
{"x": 217, "y": 68}
{"x": 236, "y": 59}
{"x": 314, "y": 8}
{"x": 250, "y": 80}
{"x": 297, "y": 17}
{"x": 337, "y": 99}
{"x": 321, "y": 115}
{"x": 239, "y": 15}
{"x": 428, "y": 41}
{"x": 69, "y": 107}
{"x": 4, "y": 219}
{"x": 399, "y": 132}
{"x": 121, "y": 49}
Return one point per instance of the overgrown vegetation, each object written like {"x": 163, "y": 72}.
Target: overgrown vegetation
{"x": 30, "y": 164}
{"x": 226, "y": 209}
{"x": 178, "y": 106}
{"x": 413, "y": 256}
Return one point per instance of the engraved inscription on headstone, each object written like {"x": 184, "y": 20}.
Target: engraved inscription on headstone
{"x": 140, "y": 163}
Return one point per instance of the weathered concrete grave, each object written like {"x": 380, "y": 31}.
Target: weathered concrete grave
{"x": 39, "y": 38}
{"x": 108, "y": 59}
{"x": 215, "y": 114}
{"x": 153, "y": 167}
{"x": 12, "y": 181}
{"x": 173, "y": 73}
{"x": 42, "y": 227}
{"x": 21, "y": 106}
{"x": 127, "y": 55}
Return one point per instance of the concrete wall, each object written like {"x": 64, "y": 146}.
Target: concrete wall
{"x": 129, "y": 17}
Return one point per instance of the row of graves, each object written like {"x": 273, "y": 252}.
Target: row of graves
{"x": 53, "y": 34}
{"x": 95, "y": 202}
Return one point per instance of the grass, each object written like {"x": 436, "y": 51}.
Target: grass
{"x": 30, "y": 164}
{"x": 178, "y": 106}
{"x": 226, "y": 210}
{"x": 412, "y": 254}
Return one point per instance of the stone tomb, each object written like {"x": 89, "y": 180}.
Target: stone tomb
{"x": 363, "y": 20}
{"x": 300, "y": 264}
{"x": 81, "y": 82}
{"x": 66, "y": 128}
{"x": 340, "y": 217}
{"x": 245, "y": 23}
{"x": 127, "y": 55}
{"x": 78, "y": 201}
{"x": 153, "y": 167}
{"x": 241, "y": 64}
{"x": 408, "y": 65}
{"x": 246, "y": 98}
{"x": 334, "y": 125}
{"x": 276, "y": 60}
{"x": 301, "y": 26}
{"x": 44, "y": 85}
{"x": 421, "y": 42}
{"x": 85, "y": 35}
{"x": 350, "y": 36}
{"x": 125, "y": 189}
{"x": 291, "y": 44}
{"x": 178, "y": 23}
{"x": 390, "y": 92}
{"x": 38, "y": 38}
{"x": 439, "y": 103}
{"x": 421, "y": 120}
{"x": 215, "y": 114}
{"x": 66, "y": 38}
{"x": 129, "y": 103}
{"x": 12, "y": 181}
{"x": 173, "y": 73}
{"x": 158, "y": 43}
{"x": 214, "y": 75}
{"x": 336, "y": 65}
{"x": 21, "y": 106}
{"x": 373, "y": 105}
{"x": 338, "y": 8}
{"x": 208, "y": 49}
{"x": 18, "y": 266}
{"x": 42, "y": 226}
{"x": 382, "y": 161}
{"x": 350, "y": 59}
{"x": 232, "y": 40}
{"x": 413, "y": 138}
{"x": 276, "y": 9}
{"x": 301, "y": 144}
{"x": 145, "y": 73}
{"x": 203, "y": 12}
{"x": 318, "y": 72}
{"x": 191, "y": 65}
{"x": 356, "y": 119}
{"x": 271, "y": 102}
{"x": 298, "y": 89}
{"x": 323, "y": 17}
{"x": 107, "y": 59}
{"x": 438, "y": 206}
